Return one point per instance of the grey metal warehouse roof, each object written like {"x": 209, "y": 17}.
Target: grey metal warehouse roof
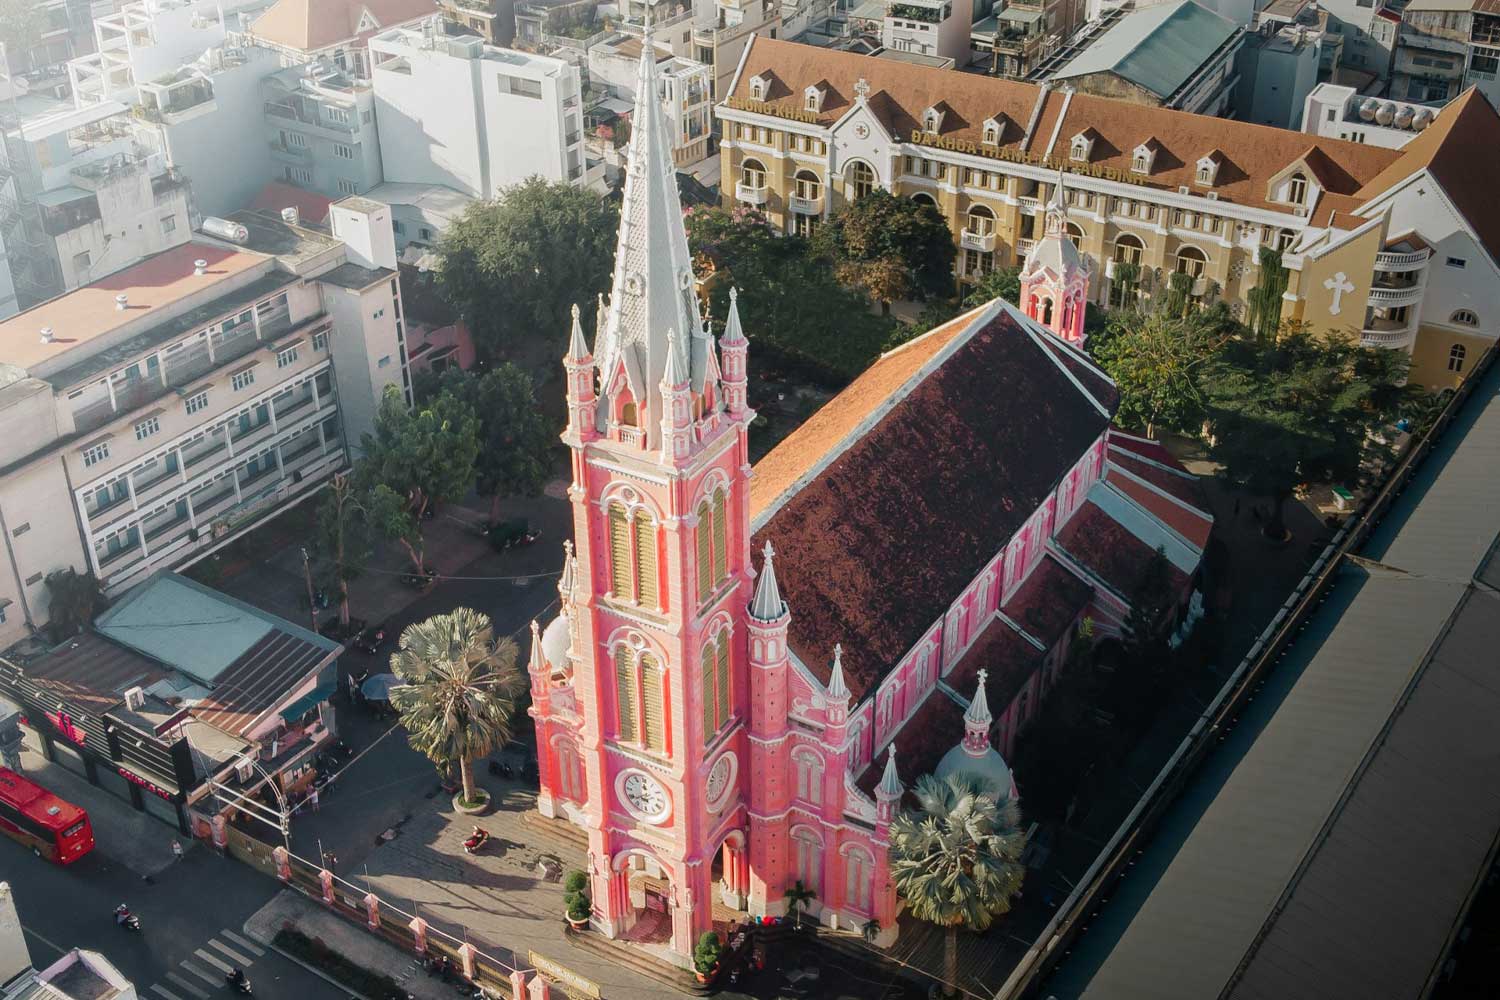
{"x": 1328, "y": 847}
{"x": 1158, "y": 48}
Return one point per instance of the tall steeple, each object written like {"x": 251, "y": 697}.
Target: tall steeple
{"x": 767, "y": 605}
{"x": 653, "y": 303}
{"x": 977, "y": 721}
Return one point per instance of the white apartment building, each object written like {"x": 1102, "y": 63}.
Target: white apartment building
{"x": 1341, "y": 113}
{"x": 452, "y": 112}
{"x": 937, "y": 28}
{"x": 153, "y": 418}
{"x": 320, "y": 128}
{"x": 686, "y": 91}
{"x": 142, "y": 41}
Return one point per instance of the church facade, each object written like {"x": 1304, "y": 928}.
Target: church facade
{"x": 747, "y": 660}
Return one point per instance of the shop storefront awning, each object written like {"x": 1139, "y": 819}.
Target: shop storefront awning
{"x": 309, "y": 701}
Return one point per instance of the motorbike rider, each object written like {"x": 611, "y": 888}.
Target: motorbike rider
{"x": 122, "y": 913}
{"x": 237, "y": 976}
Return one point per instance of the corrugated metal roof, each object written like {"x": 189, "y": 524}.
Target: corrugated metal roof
{"x": 1274, "y": 795}
{"x": 1158, "y": 48}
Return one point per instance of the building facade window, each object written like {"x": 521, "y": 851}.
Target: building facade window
{"x": 638, "y": 700}
{"x": 147, "y": 427}
{"x": 809, "y": 770}
{"x": 168, "y": 225}
{"x": 1456, "y": 355}
{"x": 713, "y": 544}
{"x": 753, "y": 175}
{"x": 347, "y": 186}
{"x": 1465, "y": 317}
{"x": 859, "y": 873}
{"x": 1191, "y": 261}
{"x": 197, "y": 401}
{"x": 1296, "y": 190}
{"x": 286, "y": 357}
{"x": 95, "y": 454}
{"x": 242, "y": 380}
{"x": 320, "y": 340}
{"x": 809, "y": 859}
{"x": 718, "y": 697}
{"x": 861, "y": 180}
{"x": 632, "y": 549}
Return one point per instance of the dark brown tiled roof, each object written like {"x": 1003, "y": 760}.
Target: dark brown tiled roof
{"x": 876, "y": 548}
{"x": 259, "y": 680}
{"x": 1048, "y": 601}
{"x": 899, "y": 92}
{"x": 1009, "y": 659}
{"x": 92, "y": 673}
{"x": 1106, "y": 547}
{"x": 936, "y": 727}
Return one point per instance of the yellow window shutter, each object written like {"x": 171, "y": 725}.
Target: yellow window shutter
{"x": 710, "y": 723}
{"x": 645, "y": 555}
{"x": 625, "y": 693}
{"x": 723, "y": 679}
{"x": 720, "y": 542}
{"x": 619, "y": 554}
{"x": 705, "y": 551}
{"x": 656, "y": 727}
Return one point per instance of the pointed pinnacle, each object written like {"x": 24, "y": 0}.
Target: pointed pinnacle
{"x": 767, "y": 604}
{"x": 978, "y": 712}
{"x": 890, "y": 786}
{"x": 733, "y": 335}
{"x": 536, "y": 664}
{"x": 578, "y": 348}
{"x": 837, "y": 689}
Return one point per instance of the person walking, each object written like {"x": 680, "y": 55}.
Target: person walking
{"x": 176, "y": 849}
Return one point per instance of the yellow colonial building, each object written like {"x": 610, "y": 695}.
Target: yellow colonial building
{"x": 1396, "y": 247}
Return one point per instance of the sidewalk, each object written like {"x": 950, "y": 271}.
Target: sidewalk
{"x": 137, "y": 840}
{"x": 354, "y": 943}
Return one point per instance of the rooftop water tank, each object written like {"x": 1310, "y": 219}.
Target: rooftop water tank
{"x": 1404, "y": 116}
{"x": 1422, "y": 118}
{"x": 1367, "y": 109}
{"x": 1386, "y": 114}
{"x": 226, "y": 230}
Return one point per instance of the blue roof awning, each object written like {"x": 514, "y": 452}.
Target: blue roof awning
{"x": 308, "y": 702}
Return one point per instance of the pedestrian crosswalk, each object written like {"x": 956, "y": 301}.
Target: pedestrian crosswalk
{"x": 194, "y": 978}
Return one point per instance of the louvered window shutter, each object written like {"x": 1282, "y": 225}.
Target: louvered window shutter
{"x": 723, "y": 681}
{"x": 705, "y": 551}
{"x": 645, "y": 555}
{"x": 619, "y": 554}
{"x": 720, "y": 542}
{"x": 625, "y": 693}
{"x": 656, "y": 726}
{"x": 710, "y": 724}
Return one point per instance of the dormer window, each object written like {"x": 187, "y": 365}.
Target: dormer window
{"x": 1296, "y": 189}
{"x": 812, "y": 99}
{"x": 1207, "y": 170}
{"x": 759, "y": 85}
{"x": 1142, "y": 158}
{"x": 1082, "y": 147}
{"x": 992, "y": 132}
{"x": 932, "y": 121}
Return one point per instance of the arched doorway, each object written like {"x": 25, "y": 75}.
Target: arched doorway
{"x": 729, "y": 877}
{"x": 641, "y": 897}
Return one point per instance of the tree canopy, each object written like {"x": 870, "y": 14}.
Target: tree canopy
{"x": 345, "y": 535}
{"x": 1159, "y": 363}
{"x": 1001, "y": 283}
{"x": 515, "y": 437}
{"x": 73, "y": 601}
{"x": 789, "y": 301}
{"x": 888, "y": 247}
{"x": 516, "y": 265}
{"x": 1298, "y": 409}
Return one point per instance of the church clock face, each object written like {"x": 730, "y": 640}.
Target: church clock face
{"x": 717, "y": 788}
{"x": 644, "y": 796}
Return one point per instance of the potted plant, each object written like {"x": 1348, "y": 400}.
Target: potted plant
{"x": 576, "y": 899}
{"x": 706, "y": 956}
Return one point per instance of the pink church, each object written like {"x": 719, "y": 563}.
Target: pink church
{"x": 929, "y": 543}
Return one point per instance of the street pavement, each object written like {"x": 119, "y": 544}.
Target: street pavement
{"x": 192, "y": 919}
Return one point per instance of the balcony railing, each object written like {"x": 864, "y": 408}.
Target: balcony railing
{"x": 1031, "y": 206}
{"x": 806, "y": 206}
{"x": 1024, "y": 248}
{"x": 750, "y": 195}
{"x": 971, "y": 240}
{"x": 1391, "y": 297}
{"x": 1401, "y": 261}
{"x": 1392, "y": 339}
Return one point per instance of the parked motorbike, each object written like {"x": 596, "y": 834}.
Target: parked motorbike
{"x": 238, "y": 980}
{"x": 124, "y": 918}
{"x": 371, "y": 639}
{"x": 512, "y": 534}
{"x": 476, "y": 841}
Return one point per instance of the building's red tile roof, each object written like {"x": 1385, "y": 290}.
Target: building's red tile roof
{"x": 1010, "y": 660}
{"x": 1190, "y": 524}
{"x": 879, "y": 544}
{"x": 311, "y": 25}
{"x": 1103, "y": 545}
{"x": 936, "y": 727}
{"x": 1048, "y": 601}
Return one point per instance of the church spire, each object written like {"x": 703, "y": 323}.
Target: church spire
{"x": 578, "y": 348}
{"x": 837, "y": 689}
{"x": 767, "y": 605}
{"x": 1057, "y": 207}
{"x": 653, "y": 304}
{"x": 977, "y": 720}
{"x": 890, "y": 787}
{"x": 734, "y": 347}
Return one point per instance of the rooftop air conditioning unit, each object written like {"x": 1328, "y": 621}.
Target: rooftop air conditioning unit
{"x": 135, "y": 698}
{"x": 1212, "y": 196}
{"x": 1184, "y": 189}
{"x": 244, "y": 768}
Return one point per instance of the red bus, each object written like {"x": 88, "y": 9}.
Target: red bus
{"x": 56, "y": 830}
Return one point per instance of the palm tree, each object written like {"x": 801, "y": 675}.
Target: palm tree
{"x": 956, "y": 862}
{"x": 797, "y": 897}
{"x": 459, "y": 700}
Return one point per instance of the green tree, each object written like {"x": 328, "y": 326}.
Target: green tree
{"x": 798, "y": 897}
{"x": 74, "y": 599}
{"x": 1298, "y": 410}
{"x": 516, "y": 265}
{"x": 459, "y": 699}
{"x": 515, "y": 437}
{"x": 1264, "y": 317}
{"x": 956, "y": 862}
{"x": 1159, "y": 363}
{"x": 889, "y": 247}
{"x": 422, "y": 454}
{"x": 21, "y": 25}
{"x": 345, "y": 536}
{"x": 1001, "y": 283}
{"x": 789, "y": 301}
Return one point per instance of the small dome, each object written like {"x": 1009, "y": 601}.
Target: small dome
{"x": 555, "y": 642}
{"x": 991, "y": 767}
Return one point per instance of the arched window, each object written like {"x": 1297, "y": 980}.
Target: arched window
{"x": 1296, "y": 189}
{"x": 807, "y": 185}
{"x": 717, "y": 694}
{"x": 1456, "y": 355}
{"x": 809, "y": 769}
{"x": 1465, "y": 317}
{"x": 753, "y": 174}
{"x": 859, "y": 873}
{"x": 809, "y": 859}
{"x": 1284, "y": 240}
{"x": 991, "y": 132}
{"x": 713, "y": 543}
{"x": 628, "y": 414}
{"x": 1128, "y": 249}
{"x": 981, "y": 220}
{"x": 757, "y": 89}
{"x": 569, "y": 772}
{"x": 639, "y": 699}
{"x": 1191, "y": 261}
{"x": 923, "y": 198}
{"x": 632, "y": 556}
{"x": 1075, "y": 233}
{"x": 861, "y": 180}
{"x": 627, "y": 695}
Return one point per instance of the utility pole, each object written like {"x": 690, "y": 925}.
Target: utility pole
{"x": 312, "y": 605}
